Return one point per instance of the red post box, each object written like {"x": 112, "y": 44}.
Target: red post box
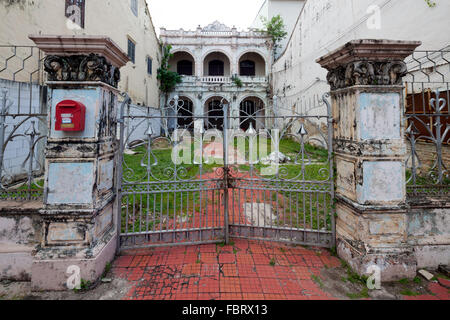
{"x": 70, "y": 116}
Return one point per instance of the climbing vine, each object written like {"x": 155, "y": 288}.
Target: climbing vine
{"x": 167, "y": 79}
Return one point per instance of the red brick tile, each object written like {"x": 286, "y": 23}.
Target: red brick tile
{"x": 282, "y": 260}
{"x": 208, "y": 296}
{"x": 244, "y": 258}
{"x": 249, "y": 285}
{"x": 260, "y": 259}
{"x": 297, "y": 297}
{"x": 208, "y": 285}
{"x": 440, "y": 292}
{"x": 210, "y": 270}
{"x": 190, "y": 258}
{"x": 230, "y": 296}
{"x": 272, "y": 296}
{"x": 228, "y": 285}
{"x": 211, "y": 248}
{"x": 227, "y": 258}
{"x": 302, "y": 273}
{"x": 247, "y": 271}
{"x": 290, "y": 287}
{"x": 283, "y": 272}
{"x": 421, "y": 297}
{"x": 252, "y": 296}
{"x": 229, "y": 270}
{"x": 191, "y": 269}
{"x": 208, "y": 257}
{"x": 265, "y": 271}
{"x": 271, "y": 286}
{"x": 444, "y": 282}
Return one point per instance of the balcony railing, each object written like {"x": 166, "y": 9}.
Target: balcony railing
{"x": 222, "y": 79}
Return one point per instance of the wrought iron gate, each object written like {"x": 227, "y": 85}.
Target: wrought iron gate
{"x": 190, "y": 184}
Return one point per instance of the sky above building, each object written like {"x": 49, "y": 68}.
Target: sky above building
{"x": 188, "y": 14}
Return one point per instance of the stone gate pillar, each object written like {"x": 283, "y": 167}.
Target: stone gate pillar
{"x": 79, "y": 193}
{"x": 366, "y": 91}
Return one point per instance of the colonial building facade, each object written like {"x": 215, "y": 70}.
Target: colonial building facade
{"x": 219, "y": 63}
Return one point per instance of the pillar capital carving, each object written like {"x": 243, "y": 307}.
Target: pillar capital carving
{"x": 367, "y": 62}
{"x": 81, "y": 58}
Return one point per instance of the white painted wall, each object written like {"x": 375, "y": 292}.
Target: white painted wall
{"x": 287, "y": 9}
{"x": 324, "y": 25}
{"x": 114, "y": 19}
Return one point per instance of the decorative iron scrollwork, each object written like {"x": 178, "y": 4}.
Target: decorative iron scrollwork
{"x": 81, "y": 68}
{"x": 367, "y": 73}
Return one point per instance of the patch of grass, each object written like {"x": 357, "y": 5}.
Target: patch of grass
{"x": 417, "y": 280}
{"x": 442, "y": 276}
{"x": 317, "y": 280}
{"x": 352, "y": 276}
{"x": 84, "y": 286}
{"x": 333, "y": 251}
{"x": 364, "y": 293}
{"x": 403, "y": 281}
{"x": 408, "y": 292}
{"x": 108, "y": 267}
{"x": 272, "y": 262}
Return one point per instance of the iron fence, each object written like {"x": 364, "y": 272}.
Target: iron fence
{"x": 426, "y": 97}
{"x": 23, "y": 122}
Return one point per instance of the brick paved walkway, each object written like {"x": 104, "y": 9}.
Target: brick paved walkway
{"x": 248, "y": 270}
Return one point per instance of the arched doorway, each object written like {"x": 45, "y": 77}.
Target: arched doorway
{"x": 252, "y": 64}
{"x": 185, "y": 112}
{"x": 183, "y": 63}
{"x": 216, "y": 68}
{"x": 214, "y": 113}
{"x": 216, "y": 64}
{"x": 249, "y": 110}
{"x": 185, "y": 67}
{"x": 247, "y": 68}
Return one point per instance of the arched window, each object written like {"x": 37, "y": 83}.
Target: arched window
{"x": 247, "y": 68}
{"x": 184, "y": 67}
{"x": 216, "y": 68}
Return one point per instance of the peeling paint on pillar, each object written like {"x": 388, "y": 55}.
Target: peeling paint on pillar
{"x": 70, "y": 183}
{"x": 379, "y": 116}
{"x": 383, "y": 182}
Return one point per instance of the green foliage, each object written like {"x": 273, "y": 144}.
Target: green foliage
{"x": 408, "y": 292}
{"x": 352, "y": 276}
{"x": 237, "y": 81}
{"x": 430, "y": 3}
{"x": 272, "y": 262}
{"x": 168, "y": 79}
{"x": 317, "y": 280}
{"x": 84, "y": 286}
{"x": 275, "y": 27}
{"x": 107, "y": 269}
{"x": 364, "y": 293}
